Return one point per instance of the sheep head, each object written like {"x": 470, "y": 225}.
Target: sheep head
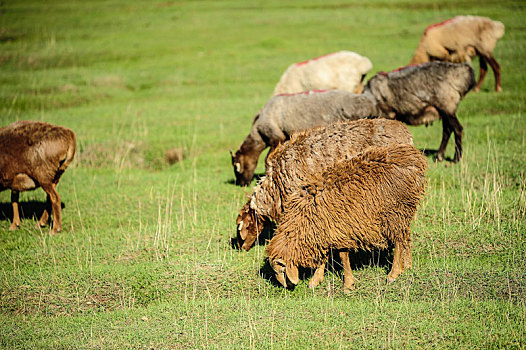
{"x": 284, "y": 271}
{"x": 243, "y": 169}
{"x": 249, "y": 225}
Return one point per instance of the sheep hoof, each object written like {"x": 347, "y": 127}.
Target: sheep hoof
{"x": 14, "y": 227}
{"x": 390, "y": 280}
{"x": 498, "y": 89}
{"x": 476, "y": 89}
{"x": 54, "y": 231}
{"x": 312, "y": 285}
{"x": 348, "y": 290}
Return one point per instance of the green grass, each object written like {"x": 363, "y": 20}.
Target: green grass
{"x": 144, "y": 260}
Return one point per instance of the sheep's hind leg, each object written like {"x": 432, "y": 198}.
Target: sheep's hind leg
{"x": 317, "y": 277}
{"x": 54, "y": 197}
{"x": 482, "y": 74}
{"x": 45, "y": 214}
{"x": 496, "y": 72}
{"x": 348, "y": 278}
{"x": 397, "y": 268}
{"x": 16, "y": 215}
{"x": 446, "y": 133}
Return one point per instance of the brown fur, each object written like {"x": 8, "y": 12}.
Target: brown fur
{"x": 459, "y": 40}
{"x": 306, "y": 152}
{"x": 363, "y": 203}
{"x": 35, "y": 154}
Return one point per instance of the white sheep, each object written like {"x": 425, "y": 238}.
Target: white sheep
{"x": 458, "y": 40}
{"x": 343, "y": 70}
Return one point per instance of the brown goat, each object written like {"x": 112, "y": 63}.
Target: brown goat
{"x": 34, "y": 154}
{"x": 306, "y": 152}
{"x": 366, "y": 202}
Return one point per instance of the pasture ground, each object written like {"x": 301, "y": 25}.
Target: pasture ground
{"x": 144, "y": 260}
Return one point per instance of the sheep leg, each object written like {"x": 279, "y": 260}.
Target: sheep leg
{"x": 54, "y": 197}
{"x": 457, "y": 129}
{"x": 348, "y": 278}
{"x": 317, "y": 277}
{"x": 496, "y": 72}
{"x": 397, "y": 268}
{"x": 407, "y": 259}
{"x": 16, "y": 215}
{"x": 446, "y": 133}
{"x": 483, "y": 71}
{"x": 45, "y": 215}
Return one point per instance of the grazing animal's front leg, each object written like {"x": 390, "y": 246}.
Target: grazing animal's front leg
{"x": 482, "y": 74}
{"x": 317, "y": 277}
{"x": 348, "y": 278}
{"x": 16, "y": 215}
{"x": 51, "y": 191}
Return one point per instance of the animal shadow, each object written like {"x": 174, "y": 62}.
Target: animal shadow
{"x": 432, "y": 153}
{"x": 359, "y": 260}
{"x": 28, "y": 210}
{"x": 256, "y": 177}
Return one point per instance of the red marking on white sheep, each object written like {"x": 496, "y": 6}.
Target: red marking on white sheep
{"x": 303, "y": 93}
{"x": 313, "y": 59}
{"x": 439, "y": 24}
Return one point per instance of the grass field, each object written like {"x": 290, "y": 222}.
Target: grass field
{"x": 144, "y": 260}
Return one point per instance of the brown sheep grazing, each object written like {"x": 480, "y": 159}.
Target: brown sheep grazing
{"x": 34, "y": 154}
{"x": 306, "y": 152}
{"x": 458, "y": 40}
{"x": 424, "y": 93}
{"x": 366, "y": 203}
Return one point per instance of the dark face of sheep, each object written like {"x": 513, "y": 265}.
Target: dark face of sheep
{"x": 285, "y": 272}
{"x": 242, "y": 170}
{"x": 249, "y": 225}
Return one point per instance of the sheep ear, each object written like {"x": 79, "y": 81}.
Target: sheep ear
{"x": 242, "y": 233}
{"x": 232, "y": 154}
{"x": 292, "y": 273}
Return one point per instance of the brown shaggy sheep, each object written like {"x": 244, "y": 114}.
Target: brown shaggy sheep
{"x": 34, "y": 154}
{"x": 366, "y": 202}
{"x": 306, "y": 152}
{"x": 458, "y": 40}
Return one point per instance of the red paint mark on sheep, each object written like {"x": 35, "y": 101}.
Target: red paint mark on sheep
{"x": 399, "y": 69}
{"x": 303, "y": 93}
{"x": 439, "y": 24}
{"x": 312, "y": 59}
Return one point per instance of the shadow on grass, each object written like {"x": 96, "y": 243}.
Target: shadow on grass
{"x": 28, "y": 210}
{"x": 432, "y": 153}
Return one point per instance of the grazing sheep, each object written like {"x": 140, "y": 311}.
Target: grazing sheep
{"x": 366, "y": 203}
{"x": 343, "y": 70}
{"x": 458, "y": 40}
{"x": 34, "y": 154}
{"x": 424, "y": 93}
{"x": 284, "y": 114}
{"x": 306, "y": 152}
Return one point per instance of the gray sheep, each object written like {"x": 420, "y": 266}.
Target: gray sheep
{"x": 424, "y": 93}
{"x": 309, "y": 151}
{"x": 364, "y": 203}
{"x": 283, "y": 115}
{"x": 35, "y": 154}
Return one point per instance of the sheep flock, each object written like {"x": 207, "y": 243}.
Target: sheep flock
{"x": 342, "y": 173}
